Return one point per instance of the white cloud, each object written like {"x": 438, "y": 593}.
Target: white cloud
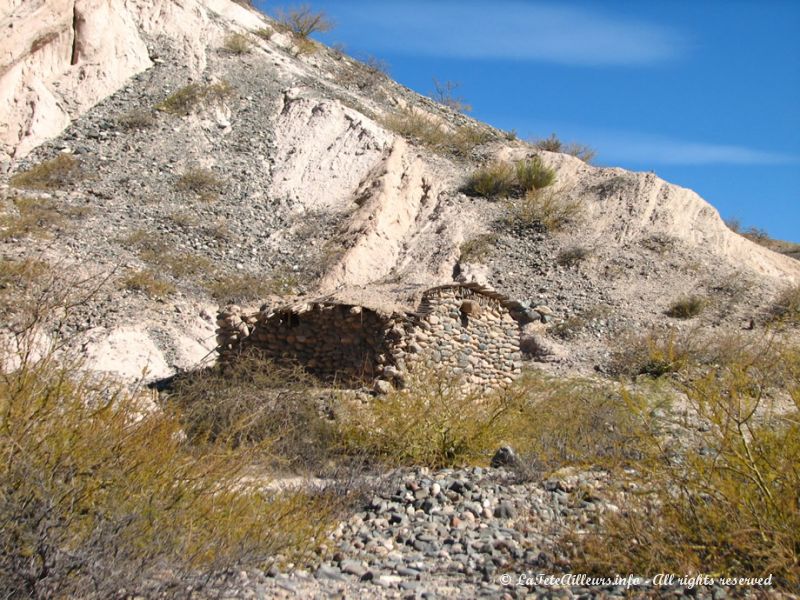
{"x": 510, "y": 29}
{"x": 657, "y": 150}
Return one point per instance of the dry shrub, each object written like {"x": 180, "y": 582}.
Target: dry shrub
{"x": 265, "y": 33}
{"x": 302, "y": 21}
{"x": 419, "y": 127}
{"x": 237, "y": 44}
{"x": 786, "y": 307}
{"x": 434, "y": 422}
{"x": 579, "y": 422}
{"x": 195, "y": 95}
{"x": 150, "y": 283}
{"x": 728, "y": 504}
{"x": 60, "y": 172}
{"x": 136, "y": 119}
{"x": 549, "y": 209}
{"x": 477, "y": 249}
{"x": 554, "y": 144}
{"x": 100, "y": 498}
{"x": 157, "y": 252}
{"x": 444, "y": 92}
{"x": 36, "y": 217}
{"x": 201, "y": 182}
{"x": 259, "y": 401}
{"x": 654, "y": 353}
{"x": 687, "y": 308}
{"x": 572, "y": 256}
{"x": 533, "y": 174}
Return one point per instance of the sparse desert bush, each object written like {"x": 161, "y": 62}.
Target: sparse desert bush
{"x": 162, "y": 258}
{"x": 101, "y": 498}
{"x": 305, "y": 46}
{"x": 423, "y": 129}
{"x": 258, "y": 401}
{"x": 786, "y": 307}
{"x": 727, "y": 504}
{"x": 579, "y": 422}
{"x": 435, "y": 423}
{"x": 193, "y": 96}
{"x": 570, "y": 327}
{"x": 237, "y": 43}
{"x": 303, "y": 21}
{"x": 548, "y": 209}
{"x": 136, "y": 119}
{"x": 553, "y": 144}
{"x": 655, "y": 353}
{"x": 572, "y": 256}
{"x": 36, "y": 217}
{"x": 148, "y": 282}
{"x": 444, "y": 92}
{"x": 533, "y": 174}
{"x": 201, "y": 182}
{"x": 477, "y": 249}
{"x": 265, "y": 33}
{"x": 494, "y": 180}
{"x": 687, "y": 308}
{"x": 503, "y": 179}
{"x": 54, "y": 174}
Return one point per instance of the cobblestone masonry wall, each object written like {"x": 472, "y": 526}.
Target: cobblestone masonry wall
{"x": 470, "y": 334}
{"x": 463, "y": 330}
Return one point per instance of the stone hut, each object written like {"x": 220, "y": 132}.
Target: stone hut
{"x": 467, "y": 329}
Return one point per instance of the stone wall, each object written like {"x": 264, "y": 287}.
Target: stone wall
{"x": 468, "y": 333}
{"x": 335, "y": 342}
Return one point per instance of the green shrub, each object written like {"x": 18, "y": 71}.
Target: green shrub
{"x": 533, "y": 174}
{"x": 434, "y": 422}
{"x": 237, "y": 43}
{"x": 503, "y": 179}
{"x": 687, "y": 308}
{"x": 57, "y": 173}
{"x": 494, "y": 180}
{"x": 191, "y": 97}
{"x": 302, "y": 21}
{"x": 101, "y": 497}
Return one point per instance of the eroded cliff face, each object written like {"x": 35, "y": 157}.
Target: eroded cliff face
{"x": 60, "y": 57}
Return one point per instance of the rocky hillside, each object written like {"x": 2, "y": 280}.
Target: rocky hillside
{"x": 205, "y": 156}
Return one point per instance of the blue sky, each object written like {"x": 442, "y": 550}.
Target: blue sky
{"x": 706, "y": 93}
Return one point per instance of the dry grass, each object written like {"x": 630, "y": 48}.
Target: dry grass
{"x": 148, "y": 282}
{"x": 192, "y": 97}
{"x": 265, "y": 33}
{"x": 553, "y": 144}
{"x": 548, "y": 209}
{"x": 687, "y": 308}
{"x": 477, "y": 249}
{"x": 422, "y": 129}
{"x": 136, "y": 120}
{"x": 57, "y": 173}
{"x": 572, "y": 256}
{"x": 236, "y": 288}
{"x": 36, "y": 217}
{"x": 201, "y": 182}
{"x": 237, "y": 44}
